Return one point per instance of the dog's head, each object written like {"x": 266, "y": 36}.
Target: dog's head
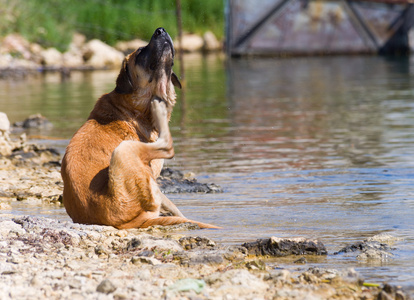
{"x": 148, "y": 70}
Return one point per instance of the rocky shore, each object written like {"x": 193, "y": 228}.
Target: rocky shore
{"x": 46, "y": 258}
{"x": 19, "y": 57}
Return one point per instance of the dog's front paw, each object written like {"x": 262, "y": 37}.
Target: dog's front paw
{"x": 159, "y": 111}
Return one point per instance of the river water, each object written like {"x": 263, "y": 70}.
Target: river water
{"x": 320, "y": 147}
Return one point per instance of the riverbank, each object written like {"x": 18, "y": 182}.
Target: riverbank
{"x": 44, "y": 257}
{"x": 19, "y": 57}
{"x": 41, "y": 257}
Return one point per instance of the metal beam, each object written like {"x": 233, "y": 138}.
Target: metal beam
{"x": 259, "y": 24}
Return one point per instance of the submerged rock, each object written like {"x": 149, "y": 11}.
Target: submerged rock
{"x": 173, "y": 181}
{"x": 284, "y": 247}
{"x": 34, "y": 121}
{"x": 375, "y": 248}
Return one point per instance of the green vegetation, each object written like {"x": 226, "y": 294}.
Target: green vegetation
{"x": 52, "y": 22}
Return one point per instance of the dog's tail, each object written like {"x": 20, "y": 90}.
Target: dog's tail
{"x": 173, "y": 221}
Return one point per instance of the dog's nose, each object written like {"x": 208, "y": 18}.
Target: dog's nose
{"x": 159, "y": 31}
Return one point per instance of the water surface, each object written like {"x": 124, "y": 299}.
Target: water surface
{"x": 315, "y": 147}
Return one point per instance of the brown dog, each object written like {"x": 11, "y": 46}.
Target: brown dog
{"x": 112, "y": 162}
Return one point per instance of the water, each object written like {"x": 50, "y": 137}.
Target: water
{"x": 315, "y": 147}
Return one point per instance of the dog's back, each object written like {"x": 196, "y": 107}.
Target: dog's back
{"x": 86, "y": 161}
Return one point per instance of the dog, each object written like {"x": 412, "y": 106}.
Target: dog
{"x": 111, "y": 164}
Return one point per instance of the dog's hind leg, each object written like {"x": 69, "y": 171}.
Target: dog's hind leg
{"x": 130, "y": 174}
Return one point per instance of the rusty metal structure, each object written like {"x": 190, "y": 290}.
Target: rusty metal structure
{"x": 308, "y": 27}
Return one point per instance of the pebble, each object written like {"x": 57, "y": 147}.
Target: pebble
{"x": 106, "y": 287}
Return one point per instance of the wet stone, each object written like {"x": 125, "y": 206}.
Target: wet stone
{"x": 35, "y": 121}
{"x": 301, "y": 260}
{"x": 284, "y": 247}
{"x": 369, "y": 249}
{"x": 173, "y": 181}
{"x": 196, "y": 242}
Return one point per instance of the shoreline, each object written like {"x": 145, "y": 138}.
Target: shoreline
{"x": 43, "y": 257}
{"x": 20, "y": 58}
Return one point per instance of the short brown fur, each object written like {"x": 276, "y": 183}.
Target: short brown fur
{"x": 111, "y": 164}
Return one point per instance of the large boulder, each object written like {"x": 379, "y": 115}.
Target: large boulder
{"x": 211, "y": 43}
{"x": 5, "y": 146}
{"x": 283, "y": 247}
{"x": 16, "y": 44}
{"x": 78, "y": 41}
{"x": 4, "y": 123}
{"x": 73, "y": 58}
{"x": 190, "y": 43}
{"x": 51, "y": 57}
{"x": 127, "y": 47}
{"x": 100, "y": 55}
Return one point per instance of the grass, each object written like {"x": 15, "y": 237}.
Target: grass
{"x": 52, "y": 23}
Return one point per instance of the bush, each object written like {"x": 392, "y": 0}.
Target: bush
{"x": 52, "y": 22}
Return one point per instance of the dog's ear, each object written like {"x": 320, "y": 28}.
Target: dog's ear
{"x": 175, "y": 81}
{"x": 123, "y": 82}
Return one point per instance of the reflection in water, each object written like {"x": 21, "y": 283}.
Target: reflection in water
{"x": 315, "y": 147}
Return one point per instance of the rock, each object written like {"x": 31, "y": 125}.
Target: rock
{"x": 237, "y": 283}
{"x": 278, "y": 276}
{"x": 7, "y": 226}
{"x": 146, "y": 241}
{"x": 145, "y": 260}
{"x": 130, "y": 46}
{"x": 256, "y": 265}
{"x": 210, "y": 42}
{"x": 45, "y": 258}
{"x": 188, "y": 284}
{"x": 173, "y": 181}
{"x": 190, "y": 43}
{"x": 73, "y": 59}
{"x": 51, "y": 57}
{"x": 189, "y": 243}
{"x": 78, "y": 40}
{"x": 106, "y": 287}
{"x": 301, "y": 260}
{"x": 307, "y": 277}
{"x": 283, "y": 247}
{"x": 100, "y": 55}
{"x": 5, "y": 146}
{"x": 375, "y": 254}
{"x": 347, "y": 275}
{"x": 4, "y": 206}
{"x": 4, "y": 123}
{"x": 200, "y": 258}
{"x": 370, "y": 249}
{"x": 384, "y": 238}
{"x": 16, "y": 44}
{"x": 170, "y": 228}
{"x": 133, "y": 244}
{"x": 37, "y": 121}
